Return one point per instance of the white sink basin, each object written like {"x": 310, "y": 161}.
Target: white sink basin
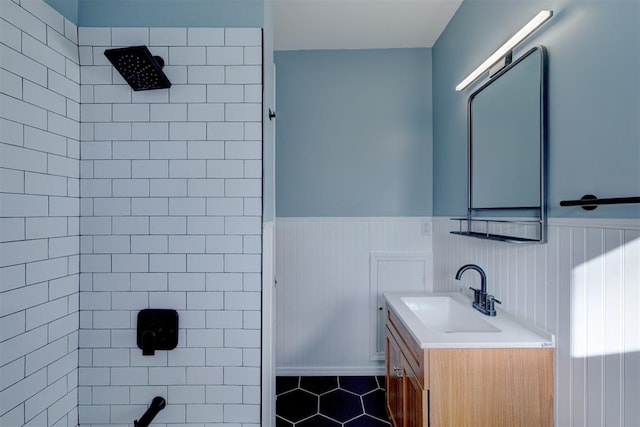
{"x": 446, "y": 315}
{"x": 447, "y": 320}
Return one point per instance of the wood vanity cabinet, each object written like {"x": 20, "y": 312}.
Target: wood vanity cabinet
{"x": 458, "y": 387}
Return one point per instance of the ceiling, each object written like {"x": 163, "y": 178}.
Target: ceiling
{"x": 360, "y": 24}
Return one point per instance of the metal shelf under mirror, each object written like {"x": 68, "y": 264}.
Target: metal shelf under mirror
{"x": 512, "y": 230}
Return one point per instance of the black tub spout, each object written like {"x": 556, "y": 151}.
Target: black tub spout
{"x": 157, "y": 404}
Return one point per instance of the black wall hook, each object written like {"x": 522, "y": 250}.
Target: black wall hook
{"x": 272, "y": 114}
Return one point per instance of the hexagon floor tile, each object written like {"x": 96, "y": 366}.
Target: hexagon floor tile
{"x": 319, "y": 385}
{"x": 296, "y": 405}
{"x": 346, "y": 401}
{"x": 359, "y": 385}
{"x": 341, "y": 405}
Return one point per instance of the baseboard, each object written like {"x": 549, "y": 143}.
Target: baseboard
{"x": 329, "y": 371}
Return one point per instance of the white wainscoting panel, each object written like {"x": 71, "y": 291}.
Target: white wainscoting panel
{"x": 323, "y": 315}
{"x": 268, "y": 326}
{"x": 584, "y": 287}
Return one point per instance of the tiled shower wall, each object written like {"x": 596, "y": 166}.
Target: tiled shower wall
{"x": 39, "y": 209}
{"x": 171, "y": 218}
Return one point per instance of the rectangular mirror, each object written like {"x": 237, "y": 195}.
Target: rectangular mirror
{"x": 506, "y": 154}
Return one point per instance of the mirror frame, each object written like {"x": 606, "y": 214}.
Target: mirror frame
{"x": 539, "y": 218}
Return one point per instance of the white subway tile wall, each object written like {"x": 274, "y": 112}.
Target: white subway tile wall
{"x": 39, "y": 216}
{"x": 171, "y": 218}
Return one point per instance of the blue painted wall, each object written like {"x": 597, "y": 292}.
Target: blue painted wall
{"x": 268, "y": 125}
{"x": 171, "y": 13}
{"x": 354, "y": 133}
{"x": 162, "y": 13}
{"x": 594, "y": 105}
{"x": 594, "y": 97}
{"x": 67, "y": 8}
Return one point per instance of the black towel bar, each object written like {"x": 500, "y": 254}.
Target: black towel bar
{"x": 590, "y": 202}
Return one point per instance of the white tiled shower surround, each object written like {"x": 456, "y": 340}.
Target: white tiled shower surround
{"x": 169, "y": 210}
{"x": 39, "y": 206}
{"x": 171, "y": 218}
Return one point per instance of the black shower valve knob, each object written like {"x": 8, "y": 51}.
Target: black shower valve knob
{"x": 157, "y": 330}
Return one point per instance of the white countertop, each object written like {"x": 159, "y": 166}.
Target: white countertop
{"x": 513, "y": 332}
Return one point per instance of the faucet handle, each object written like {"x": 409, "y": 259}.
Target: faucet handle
{"x": 492, "y": 299}
{"x": 490, "y": 304}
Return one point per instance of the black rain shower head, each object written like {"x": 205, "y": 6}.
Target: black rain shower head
{"x": 139, "y": 68}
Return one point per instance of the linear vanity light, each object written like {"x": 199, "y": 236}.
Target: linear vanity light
{"x": 518, "y": 37}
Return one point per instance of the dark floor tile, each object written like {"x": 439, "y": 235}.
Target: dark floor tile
{"x": 360, "y": 402}
{"x": 285, "y": 384}
{"x": 282, "y": 423}
{"x": 359, "y": 385}
{"x": 366, "y": 421}
{"x": 318, "y": 421}
{"x": 382, "y": 382}
{"x": 374, "y": 404}
{"x": 319, "y": 385}
{"x": 340, "y": 405}
{"x": 296, "y": 405}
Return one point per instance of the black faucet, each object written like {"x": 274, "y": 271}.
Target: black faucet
{"x": 482, "y": 302}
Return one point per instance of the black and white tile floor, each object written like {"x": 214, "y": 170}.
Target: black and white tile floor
{"x": 331, "y": 402}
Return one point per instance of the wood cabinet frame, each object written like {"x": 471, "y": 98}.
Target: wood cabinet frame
{"x": 480, "y": 387}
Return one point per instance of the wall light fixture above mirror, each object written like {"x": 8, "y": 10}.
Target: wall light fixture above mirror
{"x": 507, "y": 47}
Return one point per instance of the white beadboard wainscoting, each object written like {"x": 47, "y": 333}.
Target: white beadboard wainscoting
{"x": 268, "y": 387}
{"x": 325, "y": 310}
{"x": 584, "y": 287}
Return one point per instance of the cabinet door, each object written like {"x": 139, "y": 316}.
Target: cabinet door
{"x": 415, "y": 400}
{"x": 488, "y": 387}
{"x": 391, "y": 272}
{"x": 395, "y": 382}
